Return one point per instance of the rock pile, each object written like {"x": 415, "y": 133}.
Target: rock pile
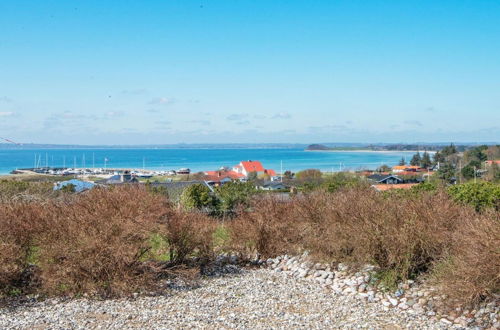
{"x": 412, "y": 296}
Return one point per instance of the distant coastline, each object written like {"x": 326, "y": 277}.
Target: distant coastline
{"x": 337, "y": 146}
{"x": 414, "y": 147}
{"x": 367, "y": 150}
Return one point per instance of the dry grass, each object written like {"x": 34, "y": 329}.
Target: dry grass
{"x": 471, "y": 273}
{"x": 405, "y": 235}
{"x": 115, "y": 241}
{"x": 94, "y": 242}
{"x": 269, "y": 229}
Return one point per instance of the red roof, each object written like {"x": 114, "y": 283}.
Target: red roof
{"x": 384, "y": 187}
{"x": 489, "y": 162}
{"x": 252, "y": 166}
{"x": 219, "y": 175}
{"x": 212, "y": 172}
{"x": 270, "y": 172}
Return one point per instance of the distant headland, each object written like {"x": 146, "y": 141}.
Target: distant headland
{"x": 392, "y": 147}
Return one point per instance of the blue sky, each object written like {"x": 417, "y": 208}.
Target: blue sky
{"x": 135, "y": 72}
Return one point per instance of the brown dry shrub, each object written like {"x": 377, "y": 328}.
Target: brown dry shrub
{"x": 17, "y": 229}
{"x": 403, "y": 234}
{"x": 188, "y": 234}
{"x": 94, "y": 244}
{"x": 268, "y": 229}
{"x": 90, "y": 243}
{"x": 472, "y": 271}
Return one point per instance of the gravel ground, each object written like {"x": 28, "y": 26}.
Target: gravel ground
{"x": 252, "y": 299}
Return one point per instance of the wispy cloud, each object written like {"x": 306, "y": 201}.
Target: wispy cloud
{"x": 6, "y": 114}
{"x": 282, "y": 115}
{"x": 413, "y": 123}
{"x": 5, "y": 99}
{"x": 113, "y": 114}
{"x": 237, "y": 116}
{"x": 200, "y": 122}
{"x": 161, "y": 101}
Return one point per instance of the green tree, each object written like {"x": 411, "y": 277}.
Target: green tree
{"x": 197, "y": 196}
{"x": 416, "y": 159}
{"x": 446, "y": 172}
{"x": 309, "y": 174}
{"x": 439, "y": 158}
{"x": 383, "y": 168}
{"x": 481, "y": 195}
{"x": 449, "y": 150}
{"x": 310, "y": 178}
{"x": 340, "y": 180}
{"x": 234, "y": 194}
{"x": 468, "y": 171}
{"x": 425, "y": 162}
{"x": 252, "y": 176}
{"x": 493, "y": 173}
{"x": 402, "y": 161}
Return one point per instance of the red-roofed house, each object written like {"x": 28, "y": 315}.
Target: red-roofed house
{"x": 385, "y": 187}
{"x": 248, "y": 167}
{"x": 270, "y": 172}
{"x": 221, "y": 177}
{"x": 491, "y": 162}
{"x": 406, "y": 168}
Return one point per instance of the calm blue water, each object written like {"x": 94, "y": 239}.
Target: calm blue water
{"x": 197, "y": 159}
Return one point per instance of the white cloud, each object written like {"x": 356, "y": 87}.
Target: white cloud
{"x": 282, "y": 115}
{"x": 162, "y": 101}
{"x": 413, "y": 123}
{"x": 6, "y": 114}
{"x": 114, "y": 114}
{"x": 237, "y": 116}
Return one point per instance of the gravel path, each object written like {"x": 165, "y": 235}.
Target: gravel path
{"x": 253, "y": 299}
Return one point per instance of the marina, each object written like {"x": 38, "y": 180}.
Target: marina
{"x": 99, "y": 161}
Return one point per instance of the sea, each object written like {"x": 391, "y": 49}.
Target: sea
{"x": 293, "y": 159}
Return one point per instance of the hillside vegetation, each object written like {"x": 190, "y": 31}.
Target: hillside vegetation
{"x": 116, "y": 241}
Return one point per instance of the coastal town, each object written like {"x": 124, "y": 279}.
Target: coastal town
{"x": 382, "y": 179}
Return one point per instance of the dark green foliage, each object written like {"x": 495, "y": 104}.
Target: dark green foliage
{"x": 468, "y": 172}
{"x": 252, "y": 176}
{"x": 425, "y": 162}
{"x": 416, "y": 159}
{"x": 449, "y": 150}
{"x": 425, "y": 187}
{"x": 402, "y": 161}
{"x": 446, "y": 172}
{"x": 309, "y": 175}
{"x": 480, "y": 195}
{"x": 341, "y": 180}
{"x": 477, "y": 155}
{"x": 383, "y": 168}
{"x": 233, "y": 194}
{"x": 439, "y": 157}
{"x": 197, "y": 196}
